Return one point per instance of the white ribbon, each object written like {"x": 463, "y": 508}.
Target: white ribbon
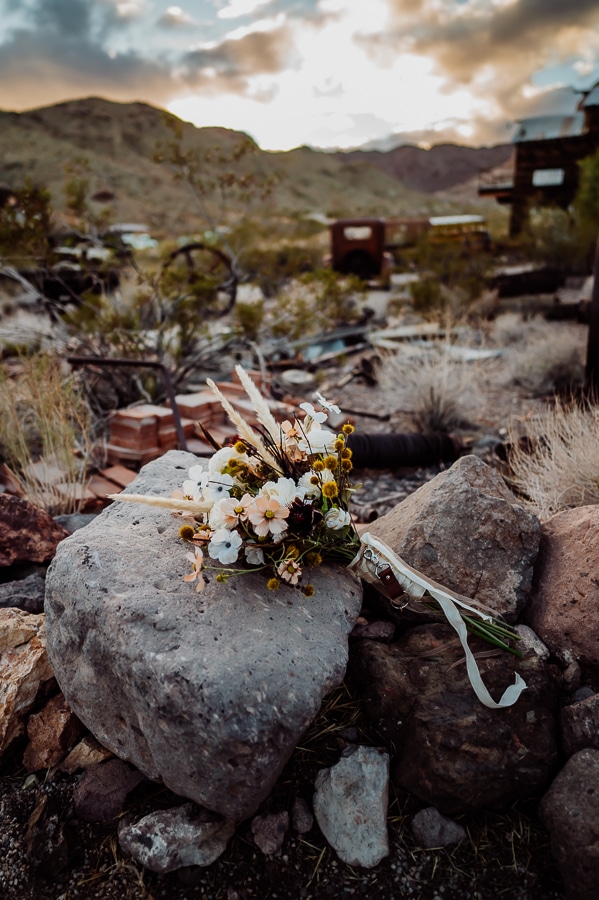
{"x": 374, "y": 556}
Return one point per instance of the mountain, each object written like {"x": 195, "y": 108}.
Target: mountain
{"x": 117, "y": 142}
{"x": 440, "y": 168}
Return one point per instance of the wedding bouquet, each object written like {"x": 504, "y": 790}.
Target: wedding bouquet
{"x": 277, "y": 501}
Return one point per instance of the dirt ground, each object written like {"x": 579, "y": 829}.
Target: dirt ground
{"x": 506, "y": 853}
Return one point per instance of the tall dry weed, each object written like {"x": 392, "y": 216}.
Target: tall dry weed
{"x": 557, "y": 466}
{"x": 46, "y": 433}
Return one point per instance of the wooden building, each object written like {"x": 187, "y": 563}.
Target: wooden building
{"x": 546, "y": 163}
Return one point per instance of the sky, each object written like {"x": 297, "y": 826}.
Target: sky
{"x": 331, "y": 74}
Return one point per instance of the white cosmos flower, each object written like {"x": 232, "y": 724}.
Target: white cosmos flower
{"x": 285, "y": 490}
{"x": 318, "y": 440}
{"x": 318, "y": 417}
{"x": 331, "y": 407}
{"x": 224, "y": 546}
{"x": 337, "y": 518}
{"x": 195, "y": 484}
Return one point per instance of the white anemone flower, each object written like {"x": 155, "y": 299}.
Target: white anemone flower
{"x": 337, "y": 518}
{"x": 224, "y": 546}
{"x": 218, "y": 487}
{"x": 330, "y": 407}
{"x": 254, "y": 555}
{"x": 311, "y": 489}
{"x": 285, "y": 490}
{"x": 194, "y": 486}
{"x": 216, "y": 517}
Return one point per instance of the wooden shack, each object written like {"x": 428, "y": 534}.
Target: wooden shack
{"x": 546, "y": 163}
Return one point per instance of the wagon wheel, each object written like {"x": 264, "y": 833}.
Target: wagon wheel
{"x": 205, "y": 273}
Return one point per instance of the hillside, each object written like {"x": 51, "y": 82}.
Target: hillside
{"x": 118, "y": 141}
{"x": 440, "y": 168}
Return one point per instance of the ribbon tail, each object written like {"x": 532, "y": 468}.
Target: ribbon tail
{"x": 511, "y": 693}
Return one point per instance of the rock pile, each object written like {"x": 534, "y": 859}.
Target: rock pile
{"x": 209, "y": 693}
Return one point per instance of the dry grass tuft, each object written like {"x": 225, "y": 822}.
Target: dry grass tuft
{"x": 557, "y": 466}
{"x": 438, "y": 390}
{"x": 540, "y": 358}
{"x": 46, "y": 433}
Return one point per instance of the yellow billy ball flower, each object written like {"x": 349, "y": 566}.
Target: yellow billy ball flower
{"x": 318, "y": 465}
{"x": 347, "y": 428}
{"x": 330, "y": 489}
{"x": 239, "y": 447}
{"x": 308, "y": 590}
{"x": 186, "y": 532}
{"x": 313, "y": 558}
{"x": 331, "y": 462}
{"x": 273, "y": 584}
{"x": 346, "y": 453}
{"x": 346, "y": 465}
{"x": 339, "y": 444}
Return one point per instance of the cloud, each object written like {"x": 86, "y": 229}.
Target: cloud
{"x": 175, "y": 17}
{"x": 244, "y": 54}
{"x": 238, "y": 8}
{"x": 67, "y": 17}
{"x": 47, "y": 69}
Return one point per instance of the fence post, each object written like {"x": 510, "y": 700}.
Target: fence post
{"x": 592, "y": 366}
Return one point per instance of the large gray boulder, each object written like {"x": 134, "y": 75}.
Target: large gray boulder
{"x": 210, "y": 692}
{"x": 466, "y": 530}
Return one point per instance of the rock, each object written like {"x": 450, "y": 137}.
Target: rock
{"x": 86, "y": 753}
{"x": 431, "y": 829}
{"x": 350, "y": 805}
{"x": 302, "y": 819}
{"x": 52, "y": 732}
{"x": 379, "y": 630}
{"x": 173, "y": 838}
{"x": 103, "y": 789}
{"x": 453, "y": 752}
{"x": 208, "y": 692}
{"x": 572, "y": 677}
{"x": 564, "y": 604}
{"x": 580, "y": 725}
{"x": 465, "y": 530}
{"x": 25, "y": 671}
{"x": 531, "y": 641}
{"x": 28, "y": 532}
{"x": 73, "y": 521}
{"x": 570, "y": 812}
{"x": 50, "y": 843}
{"x": 26, "y": 593}
{"x": 269, "y": 832}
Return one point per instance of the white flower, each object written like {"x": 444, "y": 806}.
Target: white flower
{"x": 219, "y": 460}
{"x": 331, "y": 407}
{"x": 285, "y": 490}
{"x": 224, "y": 546}
{"x": 254, "y": 555}
{"x": 311, "y": 490}
{"x": 216, "y": 517}
{"x": 318, "y": 417}
{"x": 337, "y": 518}
{"x": 318, "y": 440}
{"x": 195, "y": 484}
{"x": 218, "y": 487}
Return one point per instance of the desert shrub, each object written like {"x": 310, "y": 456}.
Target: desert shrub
{"x": 552, "y": 237}
{"x": 542, "y": 359}
{"x": 554, "y": 464}
{"x": 319, "y": 301}
{"x": 46, "y": 420}
{"x": 272, "y": 267}
{"x": 248, "y": 318}
{"x": 438, "y": 391}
